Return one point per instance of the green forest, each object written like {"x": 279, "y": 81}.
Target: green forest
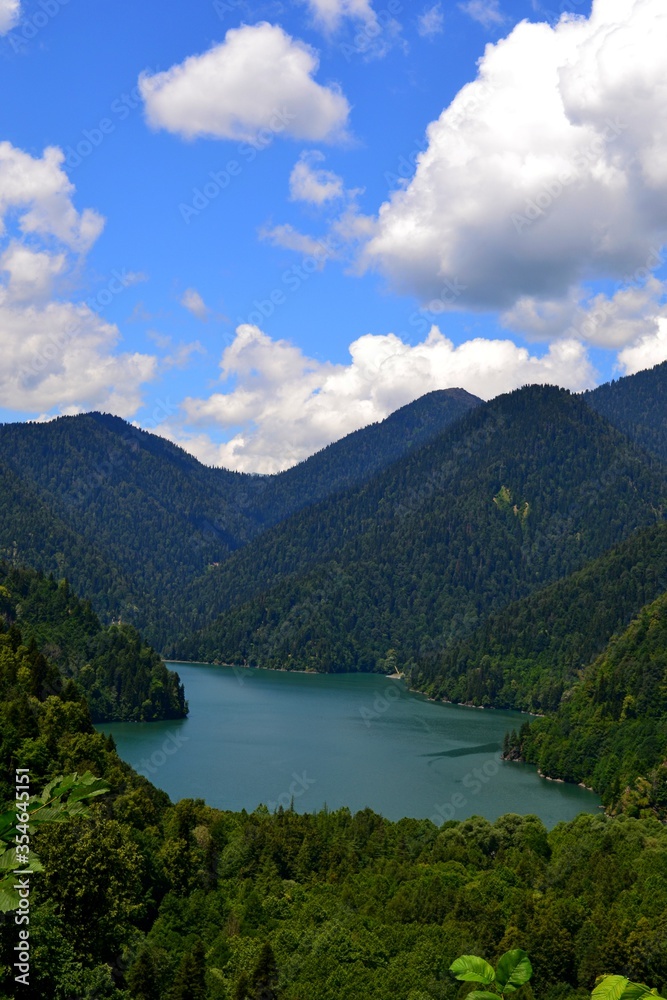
{"x": 520, "y": 492}
{"x": 510, "y": 554}
{"x": 142, "y": 899}
{"x": 122, "y": 677}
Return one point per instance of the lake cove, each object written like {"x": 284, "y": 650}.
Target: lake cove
{"x": 275, "y": 738}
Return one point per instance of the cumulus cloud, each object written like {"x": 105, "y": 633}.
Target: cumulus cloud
{"x": 485, "y": 12}
{"x": 311, "y": 183}
{"x": 30, "y": 274}
{"x": 289, "y": 405}
{"x": 194, "y": 303}
{"x": 39, "y": 192}
{"x": 289, "y": 238}
{"x": 611, "y": 321}
{"x": 431, "y": 22}
{"x": 548, "y": 170}
{"x": 55, "y": 354}
{"x": 649, "y": 350}
{"x": 10, "y": 11}
{"x": 259, "y": 78}
{"x": 60, "y": 356}
{"x": 330, "y": 13}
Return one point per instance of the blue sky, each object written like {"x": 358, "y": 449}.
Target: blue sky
{"x": 242, "y": 209}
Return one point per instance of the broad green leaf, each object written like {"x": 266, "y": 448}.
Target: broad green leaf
{"x": 482, "y": 995}
{"x": 7, "y": 822}
{"x": 9, "y": 897}
{"x": 610, "y": 988}
{"x": 513, "y": 970}
{"x": 633, "y": 991}
{"x": 9, "y": 863}
{"x": 471, "y": 969}
{"x": 88, "y": 790}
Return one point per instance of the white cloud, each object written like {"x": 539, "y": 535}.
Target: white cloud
{"x": 55, "y": 355}
{"x": 39, "y": 192}
{"x": 59, "y": 356}
{"x": 612, "y": 321}
{"x": 485, "y": 12}
{"x": 289, "y": 405}
{"x": 330, "y": 13}
{"x": 194, "y": 303}
{"x": 431, "y": 22}
{"x": 31, "y": 274}
{"x": 650, "y": 350}
{"x": 10, "y": 11}
{"x": 289, "y": 238}
{"x": 548, "y": 170}
{"x": 259, "y": 78}
{"x": 311, "y": 183}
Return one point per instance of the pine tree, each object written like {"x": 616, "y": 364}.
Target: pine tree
{"x": 142, "y": 978}
{"x": 242, "y": 988}
{"x": 190, "y": 982}
{"x": 265, "y": 976}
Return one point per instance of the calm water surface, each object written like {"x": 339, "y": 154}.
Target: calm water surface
{"x": 259, "y": 736}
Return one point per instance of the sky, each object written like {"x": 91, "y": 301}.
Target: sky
{"x": 254, "y": 227}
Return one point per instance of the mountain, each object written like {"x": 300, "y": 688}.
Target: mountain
{"x": 356, "y": 458}
{"x": 132, "y": 519}
{"x": 122, "y": 678}
{"x": 637, "y": 405}
{"x": 526, "y": 656}
{"x": 140, "y": 894}
{"x": 520, "y": 492}
{"x": 33, "y": 533}
{"x": 610, "y": 730}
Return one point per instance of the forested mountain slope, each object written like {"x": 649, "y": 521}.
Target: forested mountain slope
{"x": 637, "y": 405}
{"x": 146, "y": 899}
{"x": 355, "y": 459}
{"x": 32, "y": 534}
{"x": 121, "y": 676}
{"x": 132, "y": 519}
{"x": 610, "y": 730}
{"x": 520, "y": 492}
{"x": 158, "y": 516}
{"x": 527, "y": 655}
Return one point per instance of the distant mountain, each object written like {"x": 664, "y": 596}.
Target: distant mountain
{"x": 132, "y": 519}
{"x": 528, "y": 655}
{"x": 520, "y": 492}
{"x": 32, "y": 533}
{"x": 356, "y": 458}
{"x": 611, "y": 730}
{"x": 637, "y": 405}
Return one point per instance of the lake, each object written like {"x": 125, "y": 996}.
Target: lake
{"x": 261, "y": 736}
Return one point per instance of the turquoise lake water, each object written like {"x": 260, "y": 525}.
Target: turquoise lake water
{"x": 264, "y": 737}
